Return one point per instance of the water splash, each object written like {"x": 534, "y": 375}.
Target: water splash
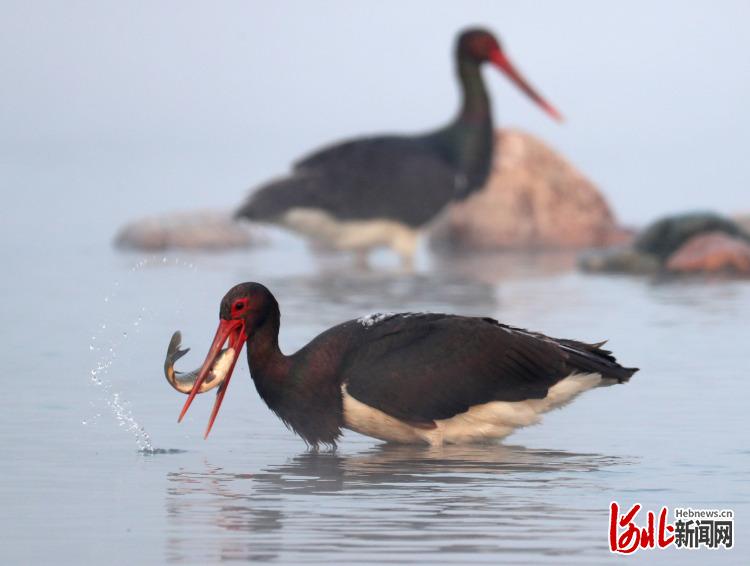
{"x": 113, "y": 399}
{"x": 164, "y": 260}
{"x": 107, "y": 349}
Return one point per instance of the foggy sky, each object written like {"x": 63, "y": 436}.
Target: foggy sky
{"x": 227, "y": 94}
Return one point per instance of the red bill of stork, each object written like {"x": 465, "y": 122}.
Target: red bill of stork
{"x": 406, "y": 377}
{"x": 381, "y": 191}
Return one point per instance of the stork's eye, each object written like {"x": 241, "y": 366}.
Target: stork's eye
{"x": 239, "y": 306}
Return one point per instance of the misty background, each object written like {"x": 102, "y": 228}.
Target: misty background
{"x": 110, "y": 111}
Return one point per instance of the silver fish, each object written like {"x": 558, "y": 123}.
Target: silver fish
{"x": 184, "y": 382}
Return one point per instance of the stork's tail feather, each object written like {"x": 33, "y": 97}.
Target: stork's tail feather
{"x": 592, "y": 358}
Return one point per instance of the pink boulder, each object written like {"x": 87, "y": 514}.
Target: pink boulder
{"x": 534, "y": 199}
{"x": 712, "y": 252}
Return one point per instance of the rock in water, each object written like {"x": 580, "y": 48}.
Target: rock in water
{"x": 534, "y": 199}
{"x": 197, "y": 230}
{"x": 665, "y": 236}
{"x": 624, "y": 259}
{"x": 695, "y": 242}
{"x": 712, "y": 252}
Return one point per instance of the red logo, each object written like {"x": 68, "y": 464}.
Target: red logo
{"x": 692, "y": 529}
{"x": 625, "y": 537}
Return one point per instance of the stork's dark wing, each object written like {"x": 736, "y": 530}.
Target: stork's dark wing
{"x": 358, "y": 150}
{"x": 397, "y": 178}
{"x": 421, "y": 368}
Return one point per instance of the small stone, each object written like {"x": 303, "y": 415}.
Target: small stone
{"x": 202, "y": 229}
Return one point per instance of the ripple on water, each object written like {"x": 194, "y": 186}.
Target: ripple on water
{"x": 159, "y": 451}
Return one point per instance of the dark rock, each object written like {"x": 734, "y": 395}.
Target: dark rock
{"x": 666, "y": 236}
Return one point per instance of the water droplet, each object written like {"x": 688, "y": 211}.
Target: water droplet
{"x": 124, "y": 334}
{"x": 103, "y": 326}
{"x": 84, "y": 422}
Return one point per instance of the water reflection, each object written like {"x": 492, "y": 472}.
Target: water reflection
{"x": 363, "y": 292}
{"x": 389, "y": 501}
{"x": 460, "y": 282}
{"x": 495, "y": 267}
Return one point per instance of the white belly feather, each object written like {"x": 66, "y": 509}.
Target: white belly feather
{"x": 352, "y": 234}
{"x": 488, "y": 421}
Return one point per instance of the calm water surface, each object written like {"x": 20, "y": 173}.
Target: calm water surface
{"x": 76, "y": 486}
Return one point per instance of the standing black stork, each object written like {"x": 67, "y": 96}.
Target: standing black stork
{"x": 379, "y": 191}
{"x": 412, "y": 378}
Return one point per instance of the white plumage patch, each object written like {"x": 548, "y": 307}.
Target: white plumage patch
{"x": 488, "y": 421}
{"x": 372, "y": 319}
{"x": 352, "y": 235}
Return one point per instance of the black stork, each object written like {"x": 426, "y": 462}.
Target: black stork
{"x": 408, "y": 377}
{"x": 380, "y": 191}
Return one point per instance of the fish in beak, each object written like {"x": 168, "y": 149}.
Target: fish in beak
{"x": 216, "y": 370}
{"x": 184, "y": 381}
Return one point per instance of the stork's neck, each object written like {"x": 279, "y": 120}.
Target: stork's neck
{"x": 268, "y": 365}
{"x": 468, "y": 140}
{"x": 475, "y": 106}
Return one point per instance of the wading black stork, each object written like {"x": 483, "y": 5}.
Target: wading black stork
{"x": 408, "y": 377}
{"x": 379, "y": 191}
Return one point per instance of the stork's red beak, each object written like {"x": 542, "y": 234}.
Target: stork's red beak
{"x": 234, "y": 331}
{"x": 499, "y": 59}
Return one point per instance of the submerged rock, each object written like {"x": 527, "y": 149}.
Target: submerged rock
{"x": 619, "y": 260}
{"x": 697, "y": 242}
{"x": 534, "y": 199}
{"x": 198, "y": 230}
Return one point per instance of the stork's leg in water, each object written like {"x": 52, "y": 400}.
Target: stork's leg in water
{"x": 404, "y": 243}
{"x": 362, "y": 259}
